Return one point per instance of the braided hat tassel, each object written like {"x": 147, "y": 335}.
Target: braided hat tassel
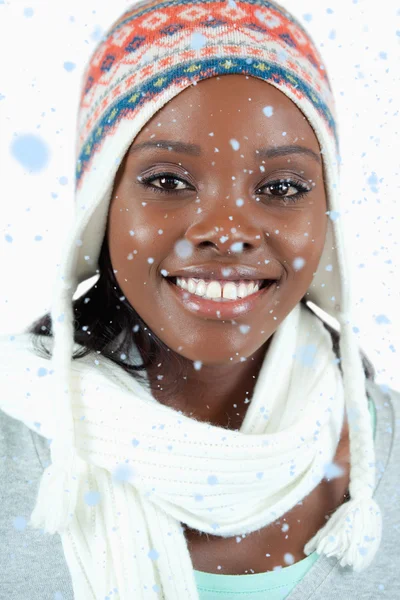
{"x": 353, "y": 533}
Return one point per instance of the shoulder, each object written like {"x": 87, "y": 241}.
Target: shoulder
{"x": 27, "y": 380}
{"x": 23, "y": 374}
{"x": 23, "y": 550}
{"x": 387, "y": 410}
{"x": 387, "y": 445}
{"x": 383, "y": 395}
{"x": 17, "y": 442}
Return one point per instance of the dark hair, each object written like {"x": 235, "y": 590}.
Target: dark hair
{"x": 103, "y": 313}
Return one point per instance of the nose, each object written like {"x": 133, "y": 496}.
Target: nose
{"x": 228, "y": 232}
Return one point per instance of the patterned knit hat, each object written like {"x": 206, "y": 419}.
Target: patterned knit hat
{"x": 151, "y": 54}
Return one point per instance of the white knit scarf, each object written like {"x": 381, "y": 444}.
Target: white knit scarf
{"x": 145, "y": 468}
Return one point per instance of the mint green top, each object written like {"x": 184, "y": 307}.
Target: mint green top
{"x": 274, "y": 585}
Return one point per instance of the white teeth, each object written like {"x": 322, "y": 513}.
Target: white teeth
{"x": 201, "y": 288}
{"x": 214, "y": 290}
{"x": 191, "y": 286}
{"x": 230, "y": 290}
{"x": 242, "y": 291}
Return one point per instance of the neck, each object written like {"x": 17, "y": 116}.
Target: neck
{"x": 217, "y": 394}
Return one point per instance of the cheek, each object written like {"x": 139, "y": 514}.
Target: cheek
{"x": 137, "y": 236}
{"x": 301, "y": 242}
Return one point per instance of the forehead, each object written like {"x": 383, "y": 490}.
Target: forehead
{"x": 232, "y": 106}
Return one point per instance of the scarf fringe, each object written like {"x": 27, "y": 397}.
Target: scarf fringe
{"x": 352, "y": 534}
{"x": 57, "y": 497}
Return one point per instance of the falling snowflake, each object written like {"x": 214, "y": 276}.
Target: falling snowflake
{"x": 31, "y": 152}
{"x": 198, "y": 41}
{"x": 183, "y": 248}
{"x": 288, "y": 558}
{"x": 69, "y": 66}
{"x": 212, "y": 480}
{"x": 298, "y": 263}
{"x": 92, "y": 498}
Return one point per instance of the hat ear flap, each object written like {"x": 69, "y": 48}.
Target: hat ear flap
{"x": 58, "y": 490}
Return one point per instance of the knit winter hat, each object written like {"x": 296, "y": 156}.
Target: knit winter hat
{"x": 151, "y": 54}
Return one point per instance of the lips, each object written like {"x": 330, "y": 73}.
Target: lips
{"x": 220, "y": 309}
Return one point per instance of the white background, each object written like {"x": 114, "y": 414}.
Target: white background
{"x": 359, "y": 43}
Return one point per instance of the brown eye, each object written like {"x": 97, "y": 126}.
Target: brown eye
{"x": 289, "y": 189}
{"x": 280, "y": 188}
{"x": 168, "y": 183}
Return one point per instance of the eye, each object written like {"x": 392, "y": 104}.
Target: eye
{"x": 287, "y": 189}
{"x": 169, "y": 180}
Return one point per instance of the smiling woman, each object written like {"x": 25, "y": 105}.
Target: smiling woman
{"x": 210, "y": 435}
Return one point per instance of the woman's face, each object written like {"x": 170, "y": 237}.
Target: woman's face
{"x": 221, "y": 210}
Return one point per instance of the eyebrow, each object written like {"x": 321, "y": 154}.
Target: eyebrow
{"x": 195, "y": 150}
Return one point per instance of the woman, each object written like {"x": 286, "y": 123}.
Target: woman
{"x": 211, "y": 436}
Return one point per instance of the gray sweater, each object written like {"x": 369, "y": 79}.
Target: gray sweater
{"x": 32, "y": 564}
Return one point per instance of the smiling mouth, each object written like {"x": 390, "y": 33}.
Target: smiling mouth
{"x": 262, "y": 284}
{"x": 224, "y": 309}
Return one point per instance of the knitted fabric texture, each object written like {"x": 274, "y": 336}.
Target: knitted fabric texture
{"x": 150, "y": 55}
{"x": 142, "y": 476}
